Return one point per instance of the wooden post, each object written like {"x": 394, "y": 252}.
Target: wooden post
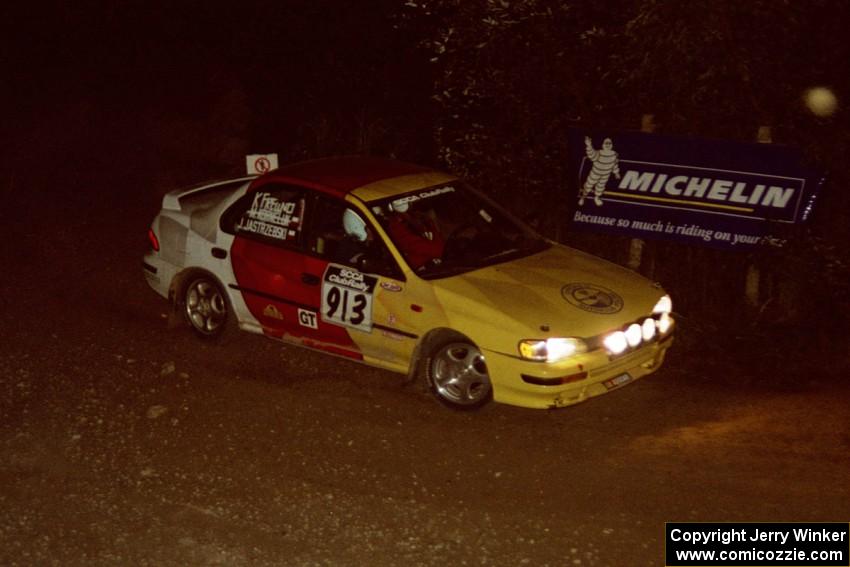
{"x": 752, "y": 282}
{"x": 647, "y": 124}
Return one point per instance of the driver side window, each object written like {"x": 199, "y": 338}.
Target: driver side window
{"x": 272, "y": 214}
{"x": 340, "y": 234}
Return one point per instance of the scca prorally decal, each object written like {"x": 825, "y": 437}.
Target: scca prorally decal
{"x": 424, "y": 195}
{"x": 592, "y": 297}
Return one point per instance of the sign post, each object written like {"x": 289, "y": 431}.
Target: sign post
{"x": 647, "y": 124}
{"x": 752, "y": 283}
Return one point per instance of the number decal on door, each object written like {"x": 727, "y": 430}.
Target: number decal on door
{"x": 347, "y": 297}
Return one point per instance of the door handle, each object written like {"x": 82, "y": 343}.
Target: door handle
{"x": 309, "y": 279}
{"x": 219, "y": 253}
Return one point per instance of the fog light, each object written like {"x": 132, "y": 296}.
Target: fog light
{"x": 664, "y": 305}
{"x": 633, "y": 335}
{"x": 664, "y": 323}
{"x": 616, "y": 342}
{"x": 648, "y": 329}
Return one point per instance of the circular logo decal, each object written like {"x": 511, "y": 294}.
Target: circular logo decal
{"x": 592, "y": 297}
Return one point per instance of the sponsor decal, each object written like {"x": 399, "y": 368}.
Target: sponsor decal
{"x": 592, "y": 297}
{"x": 391, "y": 286}
{"x": 423, "y": 195}
{"x": 271, "y": 217}
{"x": 392, "y": 336}
{"x": 273, "y": 312}
{"x": 307, "y": 318}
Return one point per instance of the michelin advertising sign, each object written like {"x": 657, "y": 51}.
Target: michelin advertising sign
{"x": 710, "y": 192}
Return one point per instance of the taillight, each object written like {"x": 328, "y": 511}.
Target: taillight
{"x": 154, "y": 241}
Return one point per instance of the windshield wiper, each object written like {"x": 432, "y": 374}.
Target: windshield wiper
{"x": 445, "y": 271}
{"x": 525, "y": 247}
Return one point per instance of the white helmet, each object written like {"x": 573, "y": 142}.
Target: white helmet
{"x": 354, "y": 225}
{"x": 400, "y": 205}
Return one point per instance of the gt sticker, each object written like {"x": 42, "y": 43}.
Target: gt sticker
{"x": 347, "y": 297}
{"x": 307, "y": 318}
{"x": 592, "y": 297}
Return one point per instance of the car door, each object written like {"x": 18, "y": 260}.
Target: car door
{"x": 361, "y": 284}
{"x": 279, "y": 281}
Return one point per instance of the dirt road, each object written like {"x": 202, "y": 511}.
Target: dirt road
{"x": 125, "y": 442}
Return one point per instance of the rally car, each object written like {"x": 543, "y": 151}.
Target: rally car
{"x": 409, "y": 269}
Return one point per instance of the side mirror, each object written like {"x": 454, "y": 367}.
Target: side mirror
{"x": 368, "y": 263}
{"x": 379, "y": 264}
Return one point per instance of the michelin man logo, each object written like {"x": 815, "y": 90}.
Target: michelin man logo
{"x": 605, "y": 162}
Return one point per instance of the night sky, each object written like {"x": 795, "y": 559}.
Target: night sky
{"x": 192, "y": 86}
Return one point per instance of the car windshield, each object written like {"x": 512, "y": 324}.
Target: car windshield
{"x": 450, "y": 229}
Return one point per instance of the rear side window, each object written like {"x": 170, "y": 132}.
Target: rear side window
{"x": 273, "y": 213}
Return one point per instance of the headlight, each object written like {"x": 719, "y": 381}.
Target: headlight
{"x": 550, "y": 350}
{"x": 664, "y": 305}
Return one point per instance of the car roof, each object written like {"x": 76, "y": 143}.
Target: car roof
{"x": 340, "y": 176}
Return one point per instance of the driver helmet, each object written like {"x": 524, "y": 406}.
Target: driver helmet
{"x": 353, "y": 225}
{"x": 400, "y": 205}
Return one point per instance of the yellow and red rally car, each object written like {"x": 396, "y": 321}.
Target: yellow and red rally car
{"x": 409, "y": 269}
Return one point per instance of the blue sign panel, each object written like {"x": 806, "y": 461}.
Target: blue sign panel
{"x": 711, "y": 192}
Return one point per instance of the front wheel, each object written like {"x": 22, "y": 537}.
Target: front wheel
{"x": 205, "y": 307}
{"x": 457, "y": 376}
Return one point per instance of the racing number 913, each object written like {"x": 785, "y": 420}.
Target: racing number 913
{"x": 347, "y": 297}
{"x": 355, "y": 315}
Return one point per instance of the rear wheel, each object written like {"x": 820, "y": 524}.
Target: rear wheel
{"x": 457, "y": 375}
{"x": 205, "y": 307}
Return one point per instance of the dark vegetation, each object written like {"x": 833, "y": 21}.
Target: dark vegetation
{"x": 110, "y": 105}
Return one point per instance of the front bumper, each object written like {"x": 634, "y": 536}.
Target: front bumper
{"x": 587, "y": 375}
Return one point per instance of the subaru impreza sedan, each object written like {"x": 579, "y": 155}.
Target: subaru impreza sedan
{"x": 408, "y": 269}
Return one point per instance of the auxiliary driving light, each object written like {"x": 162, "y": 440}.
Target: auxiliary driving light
{"x": 648, "y": 329}
{"x": 616, "y": 342}
{"x": 633, "y": 335}
{"x": 664, "y": 323}
{"x": 664, "y": 305}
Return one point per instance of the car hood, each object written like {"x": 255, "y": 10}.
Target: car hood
{"x": 566, "y": 291}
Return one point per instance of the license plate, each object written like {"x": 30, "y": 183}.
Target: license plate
{"x": 617, "y": 381}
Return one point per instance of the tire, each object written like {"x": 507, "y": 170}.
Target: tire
{"x": 205, "y": 307}
{"x": 456, "y": 375}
